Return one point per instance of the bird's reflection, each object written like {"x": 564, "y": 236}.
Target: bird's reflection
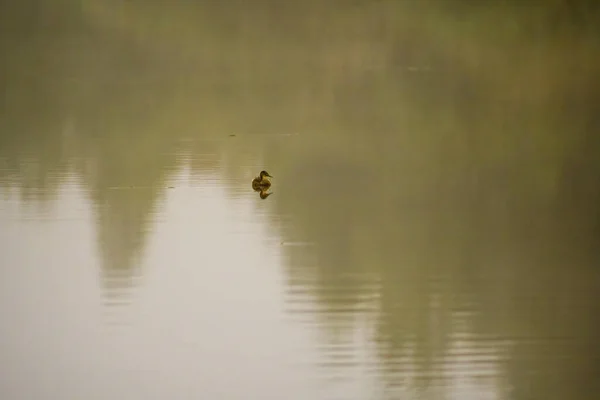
{"x": 263, "y": 193}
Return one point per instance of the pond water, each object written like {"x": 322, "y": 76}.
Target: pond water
{"x": 431, "y": 234}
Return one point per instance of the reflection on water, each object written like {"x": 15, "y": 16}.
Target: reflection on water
{"x": 434, "y": 233}
{"x": 263, "y": 193}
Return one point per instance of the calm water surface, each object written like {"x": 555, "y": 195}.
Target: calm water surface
{"x": 432, "y": 232}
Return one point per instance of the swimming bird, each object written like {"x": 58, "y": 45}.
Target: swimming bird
{"x": 262, "y": 181}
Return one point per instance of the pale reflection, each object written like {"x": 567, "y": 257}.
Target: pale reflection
{"x": 124, "y": 219}
{"x": 207, "y": 301}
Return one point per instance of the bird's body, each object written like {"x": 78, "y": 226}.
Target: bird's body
{"x": 262, "y": 181}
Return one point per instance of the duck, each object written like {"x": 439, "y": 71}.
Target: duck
{"x": 262, "y": 181}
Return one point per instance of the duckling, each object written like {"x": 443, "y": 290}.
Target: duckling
{"x": 262, "y": 181}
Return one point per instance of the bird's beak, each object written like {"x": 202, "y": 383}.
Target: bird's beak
{"x": 270, "y": 176}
